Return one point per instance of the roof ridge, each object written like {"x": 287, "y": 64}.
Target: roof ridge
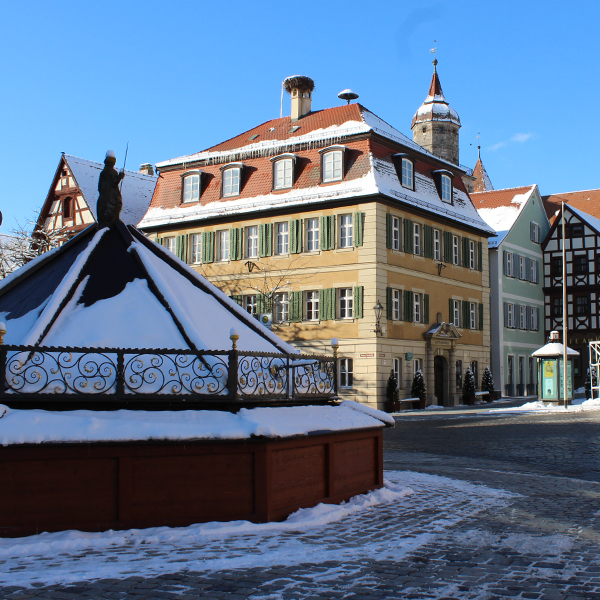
{"x": 574, "y": 192}
{"x": 521, "y": 187}
{"x": 93, "y": 162}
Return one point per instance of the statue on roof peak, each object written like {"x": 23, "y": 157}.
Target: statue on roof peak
{"x": 110, "y": 201}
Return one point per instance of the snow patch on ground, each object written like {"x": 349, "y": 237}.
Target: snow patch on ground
{"x": 578, "y": 405}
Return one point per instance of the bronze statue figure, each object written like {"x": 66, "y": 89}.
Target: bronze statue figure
{"x": 110, "y": 201}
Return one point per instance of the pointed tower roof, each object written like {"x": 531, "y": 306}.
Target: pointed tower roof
{"x": 435, "y": 107}
{"x": 482, "y": 181}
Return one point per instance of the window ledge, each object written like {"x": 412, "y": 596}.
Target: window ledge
{"x": 398, "y": 252}
{"x": 311, "y": 322}
{"x": 279, "y": 256}
{"x": 418, "y": 256}
{"x": 348, "y": 249}
{"x": 349, "y": 320}
{"x": 312, "y": 252}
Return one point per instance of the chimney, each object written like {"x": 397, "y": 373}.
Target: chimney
{"x": 146, "y": 169}
{"x": 300, "y": 89}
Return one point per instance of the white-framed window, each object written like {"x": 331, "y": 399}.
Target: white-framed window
{"x": 333, "y": 163}
{"x": 346, "y": 240}
{"x": 346, "y": 371}
{"x": 407, "y": 173}
{"x": 437, "y": 244}
{"x": 472, "y": 259}
{"x": 281, "y": 307}
{"x": 510, "y": 315}
{"x": 250, "y": 304}
{"x": 231, "y": 181}
{"x": 535, "y": 276}
{"x": 475, "y": 371}
{"x": 345, "y": 303}
{"x": 456, "y": 313}
{"x": 396, "y": 233}
{"x": 283, "y": 173}
{"x": 169, "y": 243}
{"x": 472, "y": 315}
{"x": 312, "y": 305}
{"x": 196, "y": 248}
{"x": 446, "y": 185}
{"x": 522, "y": 317}
{"x": 417, "y": 365}
{"x": 252, "y": 241}
{"x": 534, "y": 319}
{"x": 535, "y": 231}
{"x": 417, "y": 239}
{"x": 397, "y": 368}
{"x": 522, "y": 271}
{"x": 191, "y": 188}
{"x": 282, "y": 237}
{"x": 510, "y": 264}
{"x": 396, "y": 304}
{"x": 418, "y": 308}
{"x": 455, "y": 250}
{"x": 312, "y": 235}
{"x": 223, "y": 245}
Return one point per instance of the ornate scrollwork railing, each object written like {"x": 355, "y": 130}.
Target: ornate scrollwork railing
{"x": 164, "y": 374}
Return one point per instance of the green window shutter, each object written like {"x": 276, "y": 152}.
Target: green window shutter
{"x": 451, "y": 310}
{"x": 262, "y": 304}
{"x": 237, "y": 298}
{"x": 388, "y": 230}
{"x": 427, "y": 241}
{"x": 159, "y": 241}
{"x": 295, "y": 307}
{"x": 327, "y": 300}
{"x": 447, "y": 247}
{"x": 358, "y": 302}
{"x": 480, "y": 317}
{"x": 358, "y": 229}
{"x": 465, "y": 315}
{"x": 426, "y": 309}
{"x": 389, "y": 301}
{"x": 208, "y": 246}
{"x": 330, "y": 232}
{"x": 409, "y": 306}
{"x": 408, "y": 236}
{"x": 235, "y": 243}
{"x": 265, "y": 239}
{"x": 323, "y": 233}
{"x": 295, "y": 229}
{"x": 480, "y": 256}
{"x": 465, "y": 252}
{"x": 178, "y": 246}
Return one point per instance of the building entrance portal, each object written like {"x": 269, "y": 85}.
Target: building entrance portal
{"x": 440, "y": 367}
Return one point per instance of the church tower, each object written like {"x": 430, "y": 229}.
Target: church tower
{"x": 435, "y": 125}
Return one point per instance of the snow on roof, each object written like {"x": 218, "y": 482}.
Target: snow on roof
{"x": 589, "y": 219}
{"x": 586, "y": 200}
{"x": 137, "y": 188}
{"x": 554, "y": 349}
{"x": 42, "y": 426}
{"x": 96, "y": 293}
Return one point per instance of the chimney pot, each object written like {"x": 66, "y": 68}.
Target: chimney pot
{"x": 147, "y": 169}
{"x": 300, "y": 89}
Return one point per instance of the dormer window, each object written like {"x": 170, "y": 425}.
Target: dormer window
{"x": 407, "y": 173}
{"x": 191, "y": 186}
{"x": 443, "y": 181}
{"x": 332, "y": 163}
{"x": 232, "y": 179}
{"x": 283, "y": 171}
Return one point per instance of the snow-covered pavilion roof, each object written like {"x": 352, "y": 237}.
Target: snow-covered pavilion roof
{"x": 137, "y": 188}
{"x": 114, "y": 288}
{"x": 554, "y": 349}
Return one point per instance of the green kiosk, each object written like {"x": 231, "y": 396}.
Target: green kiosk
{"x": 550, "y": 371}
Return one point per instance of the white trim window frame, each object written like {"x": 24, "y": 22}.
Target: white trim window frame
{"x": 311, "y": 303}
{"x": 346, "y": 373}
{"x": 191, "y": 188}
{"x": 407, "y": 173}
{"x": 417, "y": 307}
{"x": 510, "y": 264}
{"x": 472, "y": 315}
{"x": 455, "y": 250}
{"x": 396, "y": 305}
{"x": 281, "y": 307}
{"x": 312, "y": 235}
{"x": 223, "y": 245}
{"x": 345, "y": 303}
{"x": 332, "y": 163}
{"x": 346, "y": 231}
{"x": 232, "y": 177}
{"x": 510, "y": 323}
{"x": 522, "y": 317}
{"x": 417, "y": 239}
{"x": 252, "y": 241}
{"x": 534, "y": 318}
{"x": 417, "y": 365}
{"x": 283, "y": 174}
{"x": 396, "y": 233}
{"x": 446, "y": 187}
{"x": 196, "y": 248}
{"x": 169, "y": 243}
{"x": 472, "y": 263}
{"x": 456, "y": 313}
{"x": 522, "y": 268}
{"x": 397, "y": 368}
{"x": 282, "y": 237}
{"x": 250, "y": 304}
{"x": 437, "y": 245}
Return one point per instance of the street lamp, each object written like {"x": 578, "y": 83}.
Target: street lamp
{"x": 378, "y": 310}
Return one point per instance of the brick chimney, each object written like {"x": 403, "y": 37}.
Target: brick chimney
{"x": 146, "y": 169}
{"x": 300, "y": 89}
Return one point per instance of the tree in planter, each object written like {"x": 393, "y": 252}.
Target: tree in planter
{"x": 418, "y": 388}
{"x": 392, "y": 393}
{"x": 487, "y": 381}
{"x": 469, "y": 386}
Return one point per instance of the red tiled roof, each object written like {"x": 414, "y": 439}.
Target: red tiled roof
{"x": 281, "y": 129}
{"x": 587, "y": 200}
{"x": 435, "y": 89}
{"x": 482, "y": 181}
{"x": 497, "y": 198}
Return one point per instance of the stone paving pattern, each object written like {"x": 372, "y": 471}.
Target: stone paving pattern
{"x": 543, "y": 542}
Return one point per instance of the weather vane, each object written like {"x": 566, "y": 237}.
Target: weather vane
{"x": 433, "y": 51}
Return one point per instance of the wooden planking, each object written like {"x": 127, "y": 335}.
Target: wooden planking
{"x": 356, "y": 464}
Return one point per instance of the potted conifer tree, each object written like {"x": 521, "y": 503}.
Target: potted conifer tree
{"x": 418, "y": 389}
{"x": 392, "y": 394}
{"x": 487, "y": 384}
{"x": 469, "y": 387}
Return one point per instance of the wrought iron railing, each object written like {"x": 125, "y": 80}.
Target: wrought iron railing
{"x": 73, "y": 374}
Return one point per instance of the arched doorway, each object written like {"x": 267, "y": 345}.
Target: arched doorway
{"x": 440, "y": 370}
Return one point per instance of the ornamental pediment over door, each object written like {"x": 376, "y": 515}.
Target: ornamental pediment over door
{"x": 442, "y": 332}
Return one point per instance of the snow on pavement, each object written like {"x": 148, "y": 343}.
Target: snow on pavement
{"x": 411, "y": 510}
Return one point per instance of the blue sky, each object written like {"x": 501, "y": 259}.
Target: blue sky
{"x": 176, "y": 77}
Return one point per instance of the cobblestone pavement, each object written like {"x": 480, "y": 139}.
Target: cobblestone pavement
{"x": 538, "y": 537}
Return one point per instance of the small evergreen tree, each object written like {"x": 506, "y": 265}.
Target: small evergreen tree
{"x": 391, "y": 389}
{"x": 487, "y": 381}
{"x": 469, "y": 384}
{"x": 418, "y": 389}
